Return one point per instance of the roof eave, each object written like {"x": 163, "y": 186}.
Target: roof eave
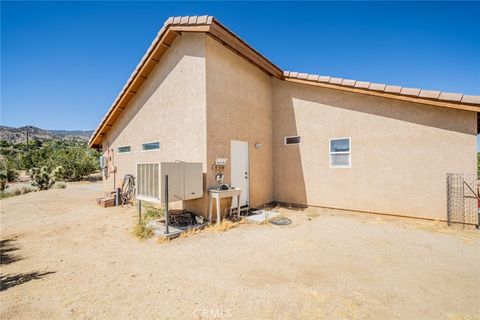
{"x": 174, "y": 26}
{"x": 381, "y": 93}
{"x": 171, "y": 29}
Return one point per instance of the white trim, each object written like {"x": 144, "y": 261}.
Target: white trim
{"x": 289, "y": 144}
{"x": 149, "y": 199}
{"x": 118, "y": 150}
{"x": 349, "y": 152}
{"x": 143, "y": 150}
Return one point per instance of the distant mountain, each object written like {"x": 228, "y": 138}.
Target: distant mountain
{"x": 18, "y": 135}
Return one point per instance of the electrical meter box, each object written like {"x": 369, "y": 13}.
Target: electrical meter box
{"x": 103, "y": 161}
{"x": 185, "y": 181}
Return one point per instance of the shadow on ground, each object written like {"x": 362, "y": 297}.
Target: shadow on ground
{"x": 9, "y": 281}
{"x": 7, "y": 256}
{"x": 7, "y": 247}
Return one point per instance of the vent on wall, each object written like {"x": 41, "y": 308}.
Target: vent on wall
{"x": 292, "y": 140}
{"x": 148, "y": 181}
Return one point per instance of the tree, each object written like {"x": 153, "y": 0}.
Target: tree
{"x": 77, "y": 162}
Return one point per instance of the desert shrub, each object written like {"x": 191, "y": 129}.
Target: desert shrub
{"x": 7, "y": 169}
{"x": 3, "y": 180}
{"x": 12, "y": 174}
{"x": 142, "y": 231}
{"x": 77, "y": 160}
{"x": 9, "y": 193}
{"x": 16, "y": 192}
{"x": 59, "y": 185}
{"x": 43, "y": 177}
{"x": 26, "y": 189}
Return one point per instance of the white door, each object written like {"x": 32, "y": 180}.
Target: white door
{"x": 239, "y": 156}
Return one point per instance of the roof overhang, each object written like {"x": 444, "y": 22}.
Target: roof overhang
{"x": 174, "y": 27}
{"x": 415, "y": 98}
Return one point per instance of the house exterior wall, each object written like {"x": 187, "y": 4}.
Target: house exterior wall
{"x": 201, "y": 96}
{"x": 400, "y": 151}
{"x": 170, "y": 108}
{"x": 239, "y": 107}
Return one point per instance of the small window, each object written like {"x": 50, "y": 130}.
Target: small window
{"x": 151, "y": 146}
{"x": 340, "y": 153}
{"x": 292, "y": 140}
{"x": 125, "y": 149}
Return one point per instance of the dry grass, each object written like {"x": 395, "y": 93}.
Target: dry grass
{"x": 163, "y": 240}
{"x": 224, "y": 225}
{"x": 312, "y": 213}
{"x": 190, "y": 232}
{"x": 150, "y": 211}
{"x": 59, "y": 185}
{"x": 141, "y": 231}
{"x": 16, "y": 192}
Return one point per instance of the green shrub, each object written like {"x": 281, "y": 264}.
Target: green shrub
{"x": 3, "y": 180}
{"x": 43, "y": 177}
{"x": 7, "y": 169}
{"x": 77, "y": 162}
{"x": 12, "y": 174}
{"x": 76, "y": 159}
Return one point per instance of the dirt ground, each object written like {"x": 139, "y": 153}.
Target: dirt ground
{"x": 64, "y": 258}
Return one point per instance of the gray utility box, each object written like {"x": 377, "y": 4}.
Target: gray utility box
{"x": 185, "y": 180}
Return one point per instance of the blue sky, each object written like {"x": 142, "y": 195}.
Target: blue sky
{"x": 63, "y": 63}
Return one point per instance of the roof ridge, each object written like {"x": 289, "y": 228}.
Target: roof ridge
{"x": 188, "y": 20}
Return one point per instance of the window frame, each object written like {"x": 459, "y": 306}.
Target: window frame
{"x": 143, "y": 144}
{"x": 349, "y": 152}
{"x": 291, "y": 144}
{"x": 126, "y": 152}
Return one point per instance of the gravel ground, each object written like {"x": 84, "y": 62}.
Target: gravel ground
{"x": 65, "y": 258}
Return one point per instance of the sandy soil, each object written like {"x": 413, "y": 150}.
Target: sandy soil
{"x": 64, "y": 258}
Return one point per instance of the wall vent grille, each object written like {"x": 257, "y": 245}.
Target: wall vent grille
{"x": 148, "y": 180}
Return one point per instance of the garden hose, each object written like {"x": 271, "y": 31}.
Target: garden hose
{"x": 127, "y": 193}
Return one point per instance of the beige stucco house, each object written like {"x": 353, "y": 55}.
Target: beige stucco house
{"x": 200, "y": 91}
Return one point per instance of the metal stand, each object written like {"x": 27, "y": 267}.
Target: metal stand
{"x": 117, "y": 197}
{"x": 166, "y": 205}
{"x": 139, "y": 211}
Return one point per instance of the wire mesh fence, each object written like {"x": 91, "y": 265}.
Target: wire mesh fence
{"x": 462, "y": 198}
